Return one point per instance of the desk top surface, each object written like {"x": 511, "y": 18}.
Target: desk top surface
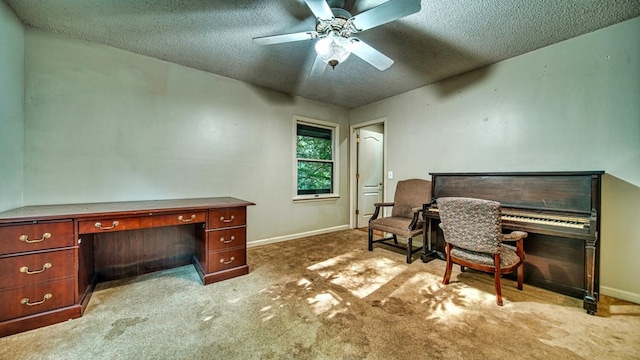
{"x": 62, "y": 211}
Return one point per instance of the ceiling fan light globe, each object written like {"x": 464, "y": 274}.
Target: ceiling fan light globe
{"x": 333, "y": 49}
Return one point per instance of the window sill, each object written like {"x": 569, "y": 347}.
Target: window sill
{"x": 324, "y": 197}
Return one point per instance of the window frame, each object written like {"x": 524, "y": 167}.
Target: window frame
{"x": 334, "y": 127}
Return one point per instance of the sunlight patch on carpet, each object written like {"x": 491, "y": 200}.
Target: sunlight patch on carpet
{"x": 631, "y": 309}
{"x": 325, "y": 302}
{"x": 454, "y": 302}
{"x": 360, "y": 277}
{"x": 417, "y": 287}
{"x": 443, "y": 302}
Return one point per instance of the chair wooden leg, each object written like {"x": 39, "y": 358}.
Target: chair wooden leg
{"x": 498, "y": 288}
{"x": 496, "y": 275}
{"x": 520, "y": 276}
{"x": 370, "y": 239}
{"x": 409, "y": 248}
{"x": 447, "y": 272}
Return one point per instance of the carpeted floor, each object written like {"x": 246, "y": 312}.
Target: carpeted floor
{"x": 327, "y": 297}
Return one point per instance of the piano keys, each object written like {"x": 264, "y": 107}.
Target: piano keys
{"x": 559, "y": 210}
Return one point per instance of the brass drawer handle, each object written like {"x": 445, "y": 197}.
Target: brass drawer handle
{"x": 25, "y": 269}
{"x": 25, "y": 301}
{"x": 113, "y": 225}
{"x": 225, "y": 220}
{"x": 25, "y": 238}
{"x": 227, "y": 262}
{"x": 181, "y": 218}
{"x": 222, "y": 240}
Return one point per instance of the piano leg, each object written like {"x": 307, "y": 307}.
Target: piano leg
{"x": 428, "y": 253}
{"x": 590, "y": 302}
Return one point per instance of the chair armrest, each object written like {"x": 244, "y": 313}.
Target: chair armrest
{"x": 417, "y": 209}
{"x": 518, "y": 237}
{"x": 377, "y": 211}
{"x": 383, "y": 204}
{"x": 514, "y": 236}
{"x": 416, "y": 215}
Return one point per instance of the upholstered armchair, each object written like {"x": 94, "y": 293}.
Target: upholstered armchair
{"x": 405, "y": 219}
{"x": 473, "y": 238}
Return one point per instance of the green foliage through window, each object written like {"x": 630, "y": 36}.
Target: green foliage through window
{"x": 314, "y": 150}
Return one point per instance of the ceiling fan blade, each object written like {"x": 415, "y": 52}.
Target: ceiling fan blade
{"x": 320, "y": 9}
{"x": 384, "y": 13}
{"x": 370, "y": 55}
{"x": 278, "y": 39}
{"x": 318, "y": 67}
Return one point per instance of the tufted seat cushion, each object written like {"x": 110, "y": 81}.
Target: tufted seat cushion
{"x": 508, "y": 257}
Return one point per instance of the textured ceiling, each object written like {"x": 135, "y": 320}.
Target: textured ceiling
{"x": 446, "y": 38}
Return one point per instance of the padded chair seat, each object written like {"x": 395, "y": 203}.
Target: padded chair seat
{"x": 394, "y": 224}
{"x": 508, "y": 256}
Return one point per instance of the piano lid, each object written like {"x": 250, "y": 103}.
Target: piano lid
{"x": 545, "y": 191}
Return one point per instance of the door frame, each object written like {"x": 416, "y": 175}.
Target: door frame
{"x": 353, "y": 161}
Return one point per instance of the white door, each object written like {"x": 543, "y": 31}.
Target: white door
{"x": 369, "y": 174}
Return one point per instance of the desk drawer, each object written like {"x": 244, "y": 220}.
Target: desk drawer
{"x": 223, "y": 218}
{"x": 38, "y": 236}
{"x": 30, "y": 269}
{"x": 36, "y": 298}
{"x": 226, "y": 239}
{"x": 140, "y": 222}
{"x": 224, "y": 260}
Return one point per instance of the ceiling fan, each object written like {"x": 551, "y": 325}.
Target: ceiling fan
{"x": 335, "y": 27}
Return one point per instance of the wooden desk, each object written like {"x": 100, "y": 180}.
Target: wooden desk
{"x": 52, "y": 256}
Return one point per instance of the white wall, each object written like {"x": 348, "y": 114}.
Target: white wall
{"x": 102, "y": 124}
{"x": 570, "y": 106}
{"x": 11, "y": 108}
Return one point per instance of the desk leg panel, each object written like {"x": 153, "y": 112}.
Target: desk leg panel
{"x": 86, "y": 273}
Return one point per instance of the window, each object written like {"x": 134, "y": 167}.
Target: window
{"x": 316, "y": 154}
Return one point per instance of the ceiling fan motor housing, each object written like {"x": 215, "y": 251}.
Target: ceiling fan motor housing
{"x": 338, "y": 23}
{"x": 335, "y": 3}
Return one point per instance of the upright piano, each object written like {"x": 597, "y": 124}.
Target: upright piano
{"x": 559, "y": 210}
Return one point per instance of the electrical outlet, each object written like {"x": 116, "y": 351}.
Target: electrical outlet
{"x": 390, "y": 175}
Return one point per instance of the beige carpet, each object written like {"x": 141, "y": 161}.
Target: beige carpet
{"x": 327, "y": 297}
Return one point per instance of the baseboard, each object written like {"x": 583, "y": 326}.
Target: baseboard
{"x": 620, "y": 294}
{"x": 296, "y": 236}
